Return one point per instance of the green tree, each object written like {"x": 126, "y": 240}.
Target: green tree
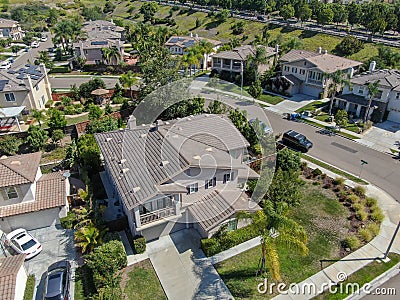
{"x": 88, "y": 152}
{"x": 14, "y": 49}
{"x": 341, "y": 118}
{"x": 349, "y": 45}
{"x": 222, "y": 16}
{"x": 354, "y": 13}
{"x": 286, "y": 12}
{"x": 325, "y": 16}
{"x": 105, "y": 124}
{"x": 340, "y": 13}
{"x": 95, "y": 112}
{"x": 45, "y": 59}
{"x": 56, "y": 120}
{"x": 148, "y": 10}
{"x": 71, "y": 155}
{"x": 57, "y": 135}
{"x": 259, "y": 58}
{"x": 288, "y": 160}
{"x": 128, "y": 80}
{"x": 255, "y": 89}
{"x": 304, "y": 13}
{"x": 111, "y": 55}
{"x": 9, "y": 145}
{"x": 39, "y": 116}
{"x": 373, "y": 89}
{"x": 86, "y": 88}
{"x": 216, "y": 107}
{"x": 88, "y": 237}
{"x": 285, "y": 187}
{"x": 335, "y": 80}
{"x": 37, "y": 137}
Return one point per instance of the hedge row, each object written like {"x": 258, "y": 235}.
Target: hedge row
{"x": 223, "y": 242}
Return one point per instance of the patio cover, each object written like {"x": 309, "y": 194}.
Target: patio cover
{"x": 100, "y": 92}
{"x": 10, "y": 112}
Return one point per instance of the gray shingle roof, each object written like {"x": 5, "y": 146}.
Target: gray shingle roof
{"x": 387, "y": 78}
{"x": 243, "y": 52}
{"x": 188, "y": 41}
{"x": 144, "y": 158}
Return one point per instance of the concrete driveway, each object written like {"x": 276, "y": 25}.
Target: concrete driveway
{"x": 57, "y": 244}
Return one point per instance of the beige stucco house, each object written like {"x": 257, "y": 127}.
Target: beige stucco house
{"x": 28, "y": 198}
{"x": 28, "y": 86}
{"x": 10, "y": 28}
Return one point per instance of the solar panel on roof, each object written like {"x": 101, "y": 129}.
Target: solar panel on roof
{"x": 174, "y": 40}
{"x": 2, "y": 84}
{"x": 99, "y": 43}
{"x": 35, "y": 77}
{"x": 20, "y": 76}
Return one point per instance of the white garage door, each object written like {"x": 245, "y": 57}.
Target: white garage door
{"x": 394, "y": 116}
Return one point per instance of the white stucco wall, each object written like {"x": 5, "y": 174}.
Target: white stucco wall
{"x": 20, "y": 283}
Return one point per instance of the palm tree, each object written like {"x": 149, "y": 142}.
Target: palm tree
{"x": 205, "y": 48}
{"x": 111, "y": 54}
{"x": 276, "y": 229}
{"x": 89, "y": 237}
{"x": 373, "y": 89}
{"x": 128, "y": 80}
{"x": 38, "y": 116}
{"x": 338, "y": 79}
{"x": 260, "y": 57}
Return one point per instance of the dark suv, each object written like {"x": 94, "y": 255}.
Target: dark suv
{"x": 57, "y": 281}
{"x": 296, "y": 140}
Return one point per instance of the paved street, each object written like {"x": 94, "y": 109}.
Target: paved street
{"x": 65, "y": 82}
{"x": 391, "y": 283}
{"x": 32, "y": 54}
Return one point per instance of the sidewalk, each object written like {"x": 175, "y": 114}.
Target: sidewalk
{"x": 375, "y": 248}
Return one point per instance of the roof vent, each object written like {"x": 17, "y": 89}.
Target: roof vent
{"x": 167, "y": 123}
{"x": 124, "y": 170}
{"x": 143, "y": 135}
{"x": 179, "y": 128}
{"x": 197, "y": 157}
{"x": 122, "y": 161}
{"x": 209, "y": 149}
{"x": 16, "y": 162}
{"x": 164, "y": 163}
{"x": 108, "y": 139}
{"x": 135, "y": 189}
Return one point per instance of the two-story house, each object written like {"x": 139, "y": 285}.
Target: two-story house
{"x": 232, "y": 61}
{"x": 385, "y": 104}
{"x": 179, "y": 45}
{"x": 10, "y": 28}
{"x": 100, "y": 34}
{"x": 28, "y": 86}
{"x": 28, "y": 198}
{"x": 303, "y": 72}
{"x": 178, "y": 174}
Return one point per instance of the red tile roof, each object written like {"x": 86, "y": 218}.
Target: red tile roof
{"x": 9, "y": 268}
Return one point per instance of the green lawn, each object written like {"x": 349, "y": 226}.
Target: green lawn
{"x": 350, "y": 136}
{"x": 363, "y": 276}
{"x": 29, "y": 288}
{"x": 270, "y": 99}
{"x": 84, "y": 287}
{"x": 142, "y": 282}
{"x": 312, "y": 106}
{"x": 324, "y": 224}
{"x": 55, "y": 154}
{"x": 78, "y": 119}
{"x": 333, "y": 169}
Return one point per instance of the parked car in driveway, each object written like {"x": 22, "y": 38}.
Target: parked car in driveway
{"x": 35, "y": 44}
{"x": 23, "y": 243}
{"x": 5, "y": 65}
{"x": 56, "y": 286}
{"x": 43, "y": 38}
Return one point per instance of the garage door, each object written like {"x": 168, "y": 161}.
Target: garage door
{"x": 394, "y": 116}
{"x": 34, "y": 220}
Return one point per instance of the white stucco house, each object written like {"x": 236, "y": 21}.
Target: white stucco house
{"x": 10, "y": 28}
{"x": 385, "y": 104}
{"x": 179, "y": 174}
{"x": 12, "y": 277}
{"x": 28, "y": 198}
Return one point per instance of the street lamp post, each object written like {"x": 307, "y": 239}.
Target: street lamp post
{"x": 363, "y": 162}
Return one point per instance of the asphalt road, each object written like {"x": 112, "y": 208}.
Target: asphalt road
{"x": 66, "y": 82}
{"x": 32, "y": 54}
{"x": 384, "y": 289}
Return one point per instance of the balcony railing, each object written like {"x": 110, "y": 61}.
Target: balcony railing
{"x": 156, "y": 215}
{"x": 226, "y": 66}
{"x": 217, "y": 65}
{"x": 313, "y": 81}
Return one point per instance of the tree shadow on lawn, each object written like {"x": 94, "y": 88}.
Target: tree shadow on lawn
{"x": 307, "y": 34}
{"x": 288, "y": 29}
{"x": 237, "y": 282}
{"x": 212, "y": 25}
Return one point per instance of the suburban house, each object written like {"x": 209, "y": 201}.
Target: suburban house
{"x": 10, "y": 28}
{"x": 100, "y": 34}
{"x": 12, "y": 277}
{"x": 183, "y": 173}
{"x": 28, "y": 198}
{"x": 303, "y": 72}
{"x": 178, "y": 45}
{"x": 384, "y": 105}
{"x": 28, "y": 86}
{"x": 232, "y": 61}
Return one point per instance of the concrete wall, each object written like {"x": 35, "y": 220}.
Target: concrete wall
{"x": 34, "y": 220}
{"x": 163, "y": 229}
{"x": 20, "y": 283}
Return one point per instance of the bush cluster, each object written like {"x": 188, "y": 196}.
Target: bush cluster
{"x": 139, "y": 243}
{"x": 69, "y": 221}
{"x": 352, "y": 242}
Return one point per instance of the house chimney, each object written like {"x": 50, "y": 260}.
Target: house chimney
{"x": 372, "y": 66}
{"x": 132, "y": 122}
{"x": 319, "y": 50}
{"x": 191, "y": 34}
{"x": 325, "y": 51}
{"x": 197, "y": 36}
{"x": 277, "y": 48}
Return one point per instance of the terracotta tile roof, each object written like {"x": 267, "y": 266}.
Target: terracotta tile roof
{"x": 243, "y": 52}
{"x": 19, "y": 169}
{"x": 9, "y": 267}
{"x": 50, "y": 193}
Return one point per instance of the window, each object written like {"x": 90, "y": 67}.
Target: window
{"x": 43, "y": 100}
{"x": 11, "y": 193}
{"x": 398, "y": 96}
{"x": 361, "y": 90}
{"x": 379, "y": 94}
{"x": 302, "y": 71}
{"x": 192, "y": 188}
{"x": 37, "y": 87}
{"x": 287, "y": 68}
{"x": 10, "y": 97}
{"x": 294, "y": 70}
{"x": 228, "y": 177}
{"x": 210, "y": 183}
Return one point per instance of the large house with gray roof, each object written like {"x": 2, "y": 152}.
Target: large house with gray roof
{"x": 232, "y": 61}
{"x": 11, "y": 29}
{"x": 28, "y": 198}
{"x": 100, "y": 34}
{"x": 385, "y": 104}
{"x": 28, "y": 86}
{"x": 178, "y": 174}
{"x": 302, "y": 72}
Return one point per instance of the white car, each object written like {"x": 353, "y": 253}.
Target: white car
{"x": 35, "y": 44}
{"x": 43, "y": 38}
{"x": 23, "y": 243}
{"x": 5, "y": 65}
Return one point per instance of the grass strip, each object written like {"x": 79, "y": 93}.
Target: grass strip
{"x": 29, "y": 288}
{"x": 333, "y": 169}
{"x": 345, "y": 134}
